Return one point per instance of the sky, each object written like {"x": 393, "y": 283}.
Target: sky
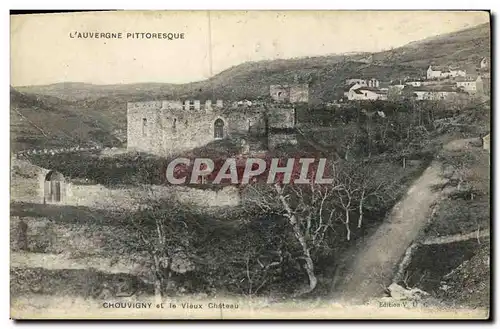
{"x": 45, "y": 48}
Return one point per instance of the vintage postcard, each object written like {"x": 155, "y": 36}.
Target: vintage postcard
{"x": 250, "y": 165}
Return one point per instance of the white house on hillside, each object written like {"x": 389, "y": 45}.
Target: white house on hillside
{"x": 439, "y": 73}
{"x": 471, "y": 86}
{"x": 366, "y": 93}
{"x": 351, "y": 87}
{"x": 431, "y": 74}
{"x": 457, "y": 73}
{"x": 445, "y": 93}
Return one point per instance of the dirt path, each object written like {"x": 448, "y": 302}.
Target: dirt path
{"x": 375, "y": 263}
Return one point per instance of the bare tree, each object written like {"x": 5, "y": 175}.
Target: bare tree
{"x": 309, "y": 212}
{"x": 162, "y": 229}
{"x": 253, "y": 269}
{"x": 360, "y": 188}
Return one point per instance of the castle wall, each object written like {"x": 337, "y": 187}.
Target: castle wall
{"x": 98, "y": 196}
{"x": 165, "y": 128}
{"x": 296, "y": 93}
{"x": 279, "y": 93}
{"x": 142, "y": 118}
{"x": 168, "y": 127}
{"x": 246, "y": 121}
{"x": 275, "y": 140}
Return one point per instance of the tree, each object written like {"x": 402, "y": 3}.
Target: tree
{"x": 316, "y": 212}
{"x": 362, "y": 188}
{"x": 308, "y": 212}
{"x": 256, "y": 258}
{"x": 165, "y": 231}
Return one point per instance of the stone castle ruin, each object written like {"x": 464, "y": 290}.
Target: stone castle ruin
{"x": 170, "y": 126}
{"x": 295, "y": 93}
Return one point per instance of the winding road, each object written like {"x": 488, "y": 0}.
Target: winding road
{"x": 375, "y": 263}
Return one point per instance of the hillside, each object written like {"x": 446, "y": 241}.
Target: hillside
{"x": 102, "y": 108}
{"x": 465, "y": 48}
{"x": 38, "y": 121}
{"x": 251, "y": 80}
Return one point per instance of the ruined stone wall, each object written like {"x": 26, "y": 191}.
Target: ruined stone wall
{"x": 142, "y": 119}
{"x": 280, "y": 93}
{"x": 296, "y": 93}
{"x": 168, "y": 127}
{"x": 185, "y": 130}
{"x": 101, "y": 197}
{"x": 246, "y": 120}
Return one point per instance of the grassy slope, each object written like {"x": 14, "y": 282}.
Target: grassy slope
{"x": 461, "y": 212}
{"x": 465, "y": 48}
{"x": 40, "y": 121}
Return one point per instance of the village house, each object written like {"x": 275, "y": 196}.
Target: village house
{"x": 366, "y": 93}
{"x": 443, "y": 93}
{"x": 457, "y": 73}
{"x": 348, "y": 90}
{"x": 442, "y": 73}
{"x": 470, "y": 86}
{"x": 433, "y": 74}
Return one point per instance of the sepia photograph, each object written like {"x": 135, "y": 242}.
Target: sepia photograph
{"x": 226, "y": 165}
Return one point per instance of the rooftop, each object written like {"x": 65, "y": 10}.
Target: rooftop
{"x": 349, "y": 86}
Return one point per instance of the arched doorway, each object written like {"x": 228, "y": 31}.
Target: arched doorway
{"x": 219, "y": 129}
{"x": 53, "y": 186}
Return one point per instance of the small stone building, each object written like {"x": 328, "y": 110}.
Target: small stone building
{"x": 169, "y": 127}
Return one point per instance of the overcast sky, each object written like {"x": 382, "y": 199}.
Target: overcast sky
{"x": 42, "y": 51}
